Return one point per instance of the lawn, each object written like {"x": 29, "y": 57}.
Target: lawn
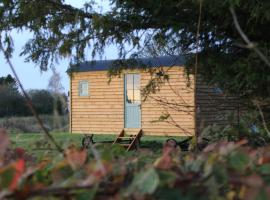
{"x": 38, "y": 145}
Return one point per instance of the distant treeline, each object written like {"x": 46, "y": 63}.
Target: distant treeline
{"x": 12, "y": 102}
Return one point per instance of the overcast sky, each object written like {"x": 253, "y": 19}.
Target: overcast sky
{"x": 30, "y": 74}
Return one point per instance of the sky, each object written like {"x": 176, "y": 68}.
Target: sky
{"x": 29, "y": 74}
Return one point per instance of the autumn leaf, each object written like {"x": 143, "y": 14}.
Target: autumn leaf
{"x": 166, "y": 160}
{"x": 19, "y": 167}
{"x": 76, "y": 158}
{"x": 4, "y": 142}
{"x": 19, "y": 152}
{"x": 11, "y": 174}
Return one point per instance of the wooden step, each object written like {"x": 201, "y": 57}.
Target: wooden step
{"x": 129, "y": 138}
{"x": 124, "y": 141}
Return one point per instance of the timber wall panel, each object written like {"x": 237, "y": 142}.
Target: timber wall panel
{"x": 213, "y": 107}
{"x": 103, "y": 110}
{"x": 174, "y": 98}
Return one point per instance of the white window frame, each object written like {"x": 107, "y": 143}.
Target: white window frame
{"x": 80, "y": 89}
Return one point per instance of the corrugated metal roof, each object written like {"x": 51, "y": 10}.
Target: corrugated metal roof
{"x": 103, "y": 65}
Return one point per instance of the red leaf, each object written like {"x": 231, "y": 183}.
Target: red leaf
{"x": 19, "y": 167}
{"x": 19, "y": 152}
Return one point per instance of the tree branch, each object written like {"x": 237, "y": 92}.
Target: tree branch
{"x": 51, "y": 191}
{"x": 196, "y": 72}
{"x": 29, "y": 102}
{"x": 69, "y": 8}
{"x": 262, "y": 116}
{"x": 250, "y": 44}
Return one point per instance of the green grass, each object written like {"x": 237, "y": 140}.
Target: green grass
{"x": 37, "y": 144}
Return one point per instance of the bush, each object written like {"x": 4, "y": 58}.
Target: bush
{"x": 30, "y": 125}
{"x": 42, "y": 101}
{"x": 12, "y": 103}
{"x": 224, "y": 170}
{"x": 248, "y": 128}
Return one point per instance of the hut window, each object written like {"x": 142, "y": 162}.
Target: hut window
{"x": 133, "y": 93}
{"x": 83, "y": 88}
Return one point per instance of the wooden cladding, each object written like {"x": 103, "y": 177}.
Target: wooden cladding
{"x": 101, "y": 111}
{"x": 213, "y": 106}
{"x": 167, "y": 112}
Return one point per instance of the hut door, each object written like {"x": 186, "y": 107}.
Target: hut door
{"x": 132, "y": 101}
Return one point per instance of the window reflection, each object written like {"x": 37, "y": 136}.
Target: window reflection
{"x": 83, "y": 88}
{"x": 133, "y": 94}
{"x": 129, "y": 96}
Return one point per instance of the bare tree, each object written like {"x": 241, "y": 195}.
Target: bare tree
{"x": 56, "y": 88}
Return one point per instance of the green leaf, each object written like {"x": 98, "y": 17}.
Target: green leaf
{"x": 86, "y": 194}
{"x": 265, "y": 169}
{"x": 167, "y": 177}
{"x": 6, "y": 177}
{"x": 262, "y": 195}
{"x": 145, "y": 182}
{"x": 238, "y": 161}
{"x": 166, "y": 193}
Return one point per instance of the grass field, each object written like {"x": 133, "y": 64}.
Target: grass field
{"x": 37, "y": 144}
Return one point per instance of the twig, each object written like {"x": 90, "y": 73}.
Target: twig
{"x": 173, "y": 122}
{"x": 196, "y": 71}
{"x": 250, "y": 44}
{"x": 69, "y": 8}
{"x": 164, "y": 102}
{"x": 29, "y": 102}
{"x": 52, "y": 191}
{"x": 98, "y": 159}
{"x": 262, "y": 116}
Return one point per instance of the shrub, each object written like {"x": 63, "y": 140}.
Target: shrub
{"x": 30, "y": 125}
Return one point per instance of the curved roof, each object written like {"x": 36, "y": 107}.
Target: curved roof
{"x": 103, "y": 65}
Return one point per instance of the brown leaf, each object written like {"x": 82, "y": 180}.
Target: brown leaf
{"x": 76, "y": 158}
{"x": 252, "y": 181}
{"x": 250, "y": 193}
{"x": 4, "y": 142}
{"x": 166, "y": 160}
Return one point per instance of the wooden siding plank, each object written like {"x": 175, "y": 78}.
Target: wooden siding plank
{"x": 106, "y": 103}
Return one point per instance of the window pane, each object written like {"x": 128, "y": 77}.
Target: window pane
{"x": 136, "y": 81}
{"x": 133, "y": 88}
{"x": 83, "y": 88}
{"x": 129, "y": 81}
{"x": 137, "y": 96}
{"x": 129, "y": 96}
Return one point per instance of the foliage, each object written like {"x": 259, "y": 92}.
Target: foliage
{"x": 223, "y": 170}
{"x": 11, "y": 102}
{"x": 29, "y": 124}
{"x": 43, "y": 101}
{"x": 8, "y": 80}
{"x": 248, "y": 127}
{"x": 157, "y": 27}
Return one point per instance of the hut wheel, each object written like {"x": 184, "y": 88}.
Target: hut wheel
{"x": 87, "y": 141}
